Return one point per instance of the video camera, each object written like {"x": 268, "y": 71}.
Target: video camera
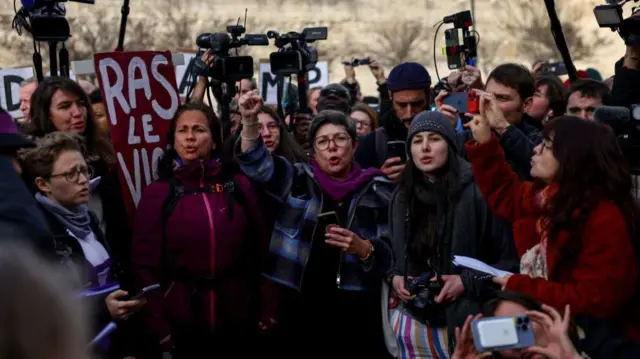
{"x": 294, "y": 55}
{"x": 458, "y": 55}
{"x": 625, "y": 124}
{"x": 45, "y": 19}
{"x": 610, "y": 15}
{"x": 224, "y": 67}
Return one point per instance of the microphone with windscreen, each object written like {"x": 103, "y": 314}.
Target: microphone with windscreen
{"x": 614, "y": 116}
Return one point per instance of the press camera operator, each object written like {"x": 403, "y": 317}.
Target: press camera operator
{"x": 353, "y": 86}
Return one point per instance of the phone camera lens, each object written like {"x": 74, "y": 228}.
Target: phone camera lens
{"x": 526, "y": 320}
{"x": 519, "y": 321}
{"x": 524, "y": 327}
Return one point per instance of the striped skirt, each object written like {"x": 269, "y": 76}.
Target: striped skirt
{"x": 416, "y": 340}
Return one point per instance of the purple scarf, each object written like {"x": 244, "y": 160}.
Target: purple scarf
{"x": 339, "y": 190}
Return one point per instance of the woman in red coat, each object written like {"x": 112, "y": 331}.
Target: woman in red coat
{"x": 573, "y": 226}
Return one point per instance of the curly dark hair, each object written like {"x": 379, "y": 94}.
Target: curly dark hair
{"x": 39, "y": 161}
{"x": 592, "y": 168}
{"x": 165, "y": 164}
{"x": 97, "y": 144}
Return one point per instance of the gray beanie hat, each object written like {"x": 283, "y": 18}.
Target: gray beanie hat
{"x": 432, "y": 121}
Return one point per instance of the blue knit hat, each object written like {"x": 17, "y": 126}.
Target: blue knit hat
{"x": 432, "y": 121}
{"x": 408, "y": 76}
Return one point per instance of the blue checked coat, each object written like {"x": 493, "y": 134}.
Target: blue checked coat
{"x": 295, "y": 188}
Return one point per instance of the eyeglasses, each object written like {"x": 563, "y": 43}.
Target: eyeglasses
{"x": 271, "y": 126}
{"x": 363, "y": 124}
{"x": 340, "y": 140}
{"x": 74, "y": 174}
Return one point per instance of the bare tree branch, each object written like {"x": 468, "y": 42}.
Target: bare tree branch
{"x": 399, "y": 41}
{"x": 178, "y": 19}
{"x": 142, "y": 35}
{"x": 19, "y": 46}
{"x": 527, "y": 23}
{"x": 95, "y": 32}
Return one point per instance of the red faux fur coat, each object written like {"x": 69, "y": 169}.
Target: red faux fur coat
{"x": 597, "y": 277}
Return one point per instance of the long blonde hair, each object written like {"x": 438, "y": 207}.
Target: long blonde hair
{"x": 39, "y": 319}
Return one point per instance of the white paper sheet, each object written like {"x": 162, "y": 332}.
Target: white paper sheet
{"x": 472, "y": 263}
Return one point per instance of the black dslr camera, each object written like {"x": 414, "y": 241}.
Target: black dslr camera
{"x": 610, "y": 15}
{"x": 424, "y": 289}
{"x": 224, "y": 67}
{"x": 357, "y": 62}
{"x": 424, "y": 307}
{"x": 294, "y": 55}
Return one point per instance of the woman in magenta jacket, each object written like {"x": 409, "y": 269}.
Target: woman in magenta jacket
{"x": 199, "y": 233}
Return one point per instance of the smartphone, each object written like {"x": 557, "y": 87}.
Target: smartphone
{"x": 556, "y": 68}
{"x": 397, "y": 149}
{"x": 328, "y": 219}
{"x": 459, "y": 101}
{"x": 144, "y": 291}
{"x": 502, "y": 333}
{"x": 454, "y": 55}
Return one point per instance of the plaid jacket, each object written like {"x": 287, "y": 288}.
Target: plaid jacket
{"x": 295, "y": 187}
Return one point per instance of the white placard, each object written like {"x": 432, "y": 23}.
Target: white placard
{"x": 268, "y": 85}
{"x": 10, "y": 88}
{"x": 181, "y": 73}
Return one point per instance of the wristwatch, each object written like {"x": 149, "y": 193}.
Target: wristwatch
{"x": 369, "y": 253}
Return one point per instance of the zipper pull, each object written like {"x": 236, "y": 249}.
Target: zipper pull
{"x": 338, "y": 279}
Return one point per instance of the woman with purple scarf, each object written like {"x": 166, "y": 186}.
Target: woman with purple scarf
{"x": 329, "y": 275}
{"x": 58, "y": 169}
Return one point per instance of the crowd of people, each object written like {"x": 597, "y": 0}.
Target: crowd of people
{"x": 313, "y": 236}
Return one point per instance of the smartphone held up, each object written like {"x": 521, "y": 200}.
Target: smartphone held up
{"x": 397, "y": 149}
{"x": 494, "y": 334}
{"x": 463, "y": 102}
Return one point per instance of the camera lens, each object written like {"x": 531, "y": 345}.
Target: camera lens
{"x": 519, "y": 321}
{"x": 526, "y": 320}
{"x": 524, "y": 327}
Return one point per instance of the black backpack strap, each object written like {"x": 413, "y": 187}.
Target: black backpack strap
{"x": 175, "y": 192}
{"x": 233, "y": 194}
{"x": 229, "y": 188}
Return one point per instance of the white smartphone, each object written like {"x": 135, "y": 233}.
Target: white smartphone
{"x": 502, "y": 333}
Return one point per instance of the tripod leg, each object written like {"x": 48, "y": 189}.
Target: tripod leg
{"x": 64, "y": 61}
{"x": 53, "y": 58}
